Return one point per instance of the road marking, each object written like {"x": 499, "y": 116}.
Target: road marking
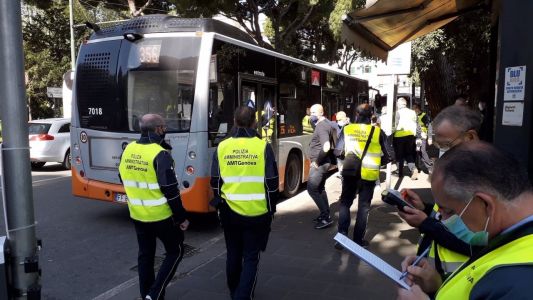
{"x": 49, "y": 179}
{"x": 118, "y": 289}
{"x": 134, "y": 281}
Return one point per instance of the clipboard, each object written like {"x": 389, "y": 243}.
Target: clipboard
{"x": 372, "y": 259}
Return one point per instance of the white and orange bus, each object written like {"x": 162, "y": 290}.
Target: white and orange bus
{"x": 193, "y": 72}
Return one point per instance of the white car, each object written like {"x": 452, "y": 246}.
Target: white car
{"x": 50, "y": 142}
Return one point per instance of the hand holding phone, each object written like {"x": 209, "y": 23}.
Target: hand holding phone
{"x": 393, "y": 197}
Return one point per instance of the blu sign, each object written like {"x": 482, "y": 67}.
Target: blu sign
{"x": 515, "y": 83}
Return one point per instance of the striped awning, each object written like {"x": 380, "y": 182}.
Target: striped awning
{"x": 385, "y": 24}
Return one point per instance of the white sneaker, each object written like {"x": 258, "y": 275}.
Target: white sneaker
{"x": 147, "y": 298}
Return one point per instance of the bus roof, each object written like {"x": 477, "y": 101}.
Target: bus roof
{"x": 167, "y": 23}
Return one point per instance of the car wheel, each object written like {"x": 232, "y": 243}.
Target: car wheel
{"x": 67, "y": 160}
{"x": 293, "y": 176}
{"x": 37, "y": 164}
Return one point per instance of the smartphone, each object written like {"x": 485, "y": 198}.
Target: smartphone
{"x": 393, "y": 197}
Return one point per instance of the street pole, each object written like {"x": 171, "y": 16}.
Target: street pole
{"x": 18, "y": 201}
{"x": 72, "y": 42}
{"x": 391, "y": 98}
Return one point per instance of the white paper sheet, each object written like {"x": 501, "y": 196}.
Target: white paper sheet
{"x": 371, "y": 259}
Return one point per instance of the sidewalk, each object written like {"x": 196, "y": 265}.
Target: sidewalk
{"x": 300, "y": 261}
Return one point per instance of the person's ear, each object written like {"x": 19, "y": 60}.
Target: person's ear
{"x": 491, "y": 206}
{"x": 471, "y": 135}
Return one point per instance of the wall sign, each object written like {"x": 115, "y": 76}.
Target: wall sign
{"x": 513, "y": 113}
{"x": 515, "y": 82}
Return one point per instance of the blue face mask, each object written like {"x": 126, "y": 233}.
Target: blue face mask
{"x": 314, "y": 120}
{"x": 456, "y": 226}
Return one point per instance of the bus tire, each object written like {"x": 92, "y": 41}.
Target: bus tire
{"x": 293, "y": 176}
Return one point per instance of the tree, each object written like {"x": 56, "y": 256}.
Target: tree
{"x": 47, "y": 54}
{"x": 455, "y": 60}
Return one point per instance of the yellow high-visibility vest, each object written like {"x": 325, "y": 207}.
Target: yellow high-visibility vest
{"x": 355, "y": 137}
{"x": 146, "y": 202}
{"x": 460, "y": 284}
{"x": 422, "y": 125}
{"x": 449, "y": 260}
{"x": 306, "y": 125}
{"x": 242, "y": 168}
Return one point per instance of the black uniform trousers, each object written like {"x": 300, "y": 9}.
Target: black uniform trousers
{"x": 405, "y": 149}
{"x": 172, "y": 238}
{"x": 246, "y": 238}
{"x": 351, "y": 186}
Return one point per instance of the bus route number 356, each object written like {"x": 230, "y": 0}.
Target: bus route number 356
{"x": 95, "y": 111}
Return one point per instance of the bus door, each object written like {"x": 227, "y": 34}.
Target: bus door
{"x": 259, "y": 93}
{"x": 330, "y": 102}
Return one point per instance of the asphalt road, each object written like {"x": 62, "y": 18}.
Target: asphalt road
{"x": 89, "y": 246}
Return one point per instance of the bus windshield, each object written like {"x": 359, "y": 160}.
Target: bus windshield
{"x": 161, "y": 80}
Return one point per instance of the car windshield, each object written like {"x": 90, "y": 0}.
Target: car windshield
{"x": 39, "y": 128}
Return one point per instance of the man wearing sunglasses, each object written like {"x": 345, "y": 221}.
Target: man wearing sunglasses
{"x": 452, "y": 126}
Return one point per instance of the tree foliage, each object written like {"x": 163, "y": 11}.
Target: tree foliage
{"x": 47, "y": 54}
{"x": 455, "y": 61}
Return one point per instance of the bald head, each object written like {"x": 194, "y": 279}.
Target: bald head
{"x": 401, "y": 103}
{"x": 150, "y": 122}
{"x": 317, "y": 110}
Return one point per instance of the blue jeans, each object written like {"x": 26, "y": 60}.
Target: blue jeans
{"x": 351, "y": 186}
{"x": 316, "y": 188}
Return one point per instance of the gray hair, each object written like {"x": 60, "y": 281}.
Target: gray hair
{"x": 460, "y": 117}
{"x": 464, "y": 171}
{"x": 149, "y": 122}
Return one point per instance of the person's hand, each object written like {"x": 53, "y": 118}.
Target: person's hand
{"x": 423, "y": 274}
{"x": 413, "y": 216}
{"x": 412, "y": 198}
{"x": 184, "y": 225}
{"x": 415, "y": 293}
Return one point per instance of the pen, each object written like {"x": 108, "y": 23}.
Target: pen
{"x": 417, "y": 260}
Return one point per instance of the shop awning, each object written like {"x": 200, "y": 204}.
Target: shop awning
{"x": 385, "y": 24}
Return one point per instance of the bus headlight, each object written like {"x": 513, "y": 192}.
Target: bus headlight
{"x": 192, "y": 154}
{"x": 189, "y": 170}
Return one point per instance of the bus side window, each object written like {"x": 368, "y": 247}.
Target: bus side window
{"x": 217, "y": 120}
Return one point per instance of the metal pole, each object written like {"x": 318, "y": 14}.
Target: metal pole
{"x": 391, "y": 98}
{"x": 18, "y": 201}
{"x": 72, "y": 42}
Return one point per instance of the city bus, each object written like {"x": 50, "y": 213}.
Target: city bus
{"x": 194, "y": 73}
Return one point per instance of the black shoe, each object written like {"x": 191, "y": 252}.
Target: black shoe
{"x": 317, "y": 219}
{"x": 338, "y": 246}
{"x": 324, "y": 223}
{"x": 363, "y": 243}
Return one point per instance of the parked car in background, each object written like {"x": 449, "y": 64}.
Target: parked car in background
{"x": 50, "y": 142}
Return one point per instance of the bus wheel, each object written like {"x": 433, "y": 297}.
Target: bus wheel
{"x": 293, "y": 176}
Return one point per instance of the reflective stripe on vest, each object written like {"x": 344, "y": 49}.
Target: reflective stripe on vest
{"x": 460, "y": 284}
{"x": 146, "y": 202}
{"x": 242, "y": 168}
{"x": 449, "y": 260}
{"x": 402, "y": 133}
{"x": 355, "y": 137}
{"x": 422, "y": 125}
